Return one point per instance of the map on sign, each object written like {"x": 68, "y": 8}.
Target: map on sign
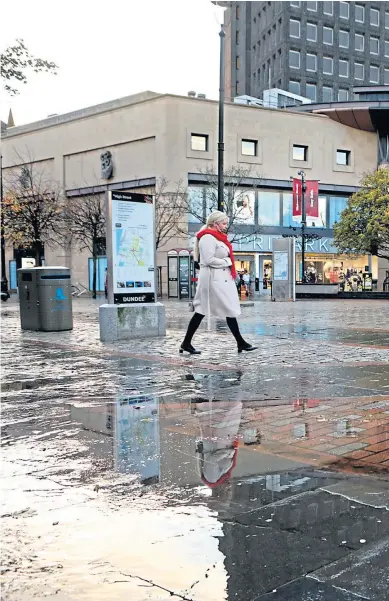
{"x": 131, "y": 249}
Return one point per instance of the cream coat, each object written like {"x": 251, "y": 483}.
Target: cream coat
{"x": 216, "y": 291}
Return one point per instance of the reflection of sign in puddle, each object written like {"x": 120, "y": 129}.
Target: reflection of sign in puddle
{"x": 136, "y": 436}
{"x": 133, "y": 424}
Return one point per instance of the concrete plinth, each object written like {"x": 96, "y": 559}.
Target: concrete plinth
{"x": 125, "y": 322}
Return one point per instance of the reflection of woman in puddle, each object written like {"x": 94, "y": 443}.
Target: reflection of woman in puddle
{"x": 217, "y": 447}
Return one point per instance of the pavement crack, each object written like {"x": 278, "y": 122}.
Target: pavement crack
{"x": 152, "y": 584}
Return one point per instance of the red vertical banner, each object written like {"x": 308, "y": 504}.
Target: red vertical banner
{"x": 312, "y": 198}
{"x": 297, "y": 197}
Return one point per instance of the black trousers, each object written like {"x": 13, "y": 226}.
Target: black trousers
{"x": 198, "y": 318}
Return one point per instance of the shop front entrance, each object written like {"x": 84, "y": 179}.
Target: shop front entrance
{"x": 246, "y": 269}
{"x": 265, "y": 274}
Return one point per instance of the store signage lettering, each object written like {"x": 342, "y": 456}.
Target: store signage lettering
{"x": 265, "y": 244}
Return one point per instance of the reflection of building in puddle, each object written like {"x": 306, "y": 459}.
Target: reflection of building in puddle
{"x": 94, "y": 418}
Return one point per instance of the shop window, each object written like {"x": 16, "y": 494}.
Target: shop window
{"x": 13, "y": 275}
{"x": 337, "y": 205}
{"x": 199, "y": 142}
{"x": 100, "y": 273}
{"x": 268, "y": 208}
{"x": 289, "y": 221}
{"x": 300, "y": 153}
{"x": 196, "y": 204}
{"x": 343, "y": 157}
{"x": 249, "y": 148}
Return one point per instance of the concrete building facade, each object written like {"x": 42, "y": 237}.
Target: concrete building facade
{"x": 319, "y": 50}
{"x": 153, "y": 136}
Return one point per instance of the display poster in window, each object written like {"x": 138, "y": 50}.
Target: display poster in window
{"x": 133, "y": 248}
{"x": 184, "y": 277}
{"x": 136, "y": 437}
{"x": 28, "y": 262}
{"x": 297, "y": 197}
{"x": 312, "y": 198}
{"x": 244, "y": 207}
{"x": 280, "y": 265}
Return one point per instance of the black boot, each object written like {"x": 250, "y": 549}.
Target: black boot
{"x": 242, "y": 344}
{"x": 192, "y": 328}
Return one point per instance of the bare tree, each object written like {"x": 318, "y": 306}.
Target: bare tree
{"x": 84, "y": 222}
{"x": 32, "y": 208}
{"x": 238, "y": 201}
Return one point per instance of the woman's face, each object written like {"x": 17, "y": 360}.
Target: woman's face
{"x": 222, "y": 226}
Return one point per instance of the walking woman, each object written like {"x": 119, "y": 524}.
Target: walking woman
{"x": 216, "y": 292}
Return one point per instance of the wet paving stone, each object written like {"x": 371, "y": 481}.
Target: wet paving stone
{"x": 131, "y": 472}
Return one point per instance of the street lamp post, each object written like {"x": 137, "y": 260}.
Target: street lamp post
{"x": 220, "y": 145}
{"x": 3, "y": 270}
{"x": 303, "y": 222}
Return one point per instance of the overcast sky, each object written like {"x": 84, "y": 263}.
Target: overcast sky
{"x": 110, "y": 49}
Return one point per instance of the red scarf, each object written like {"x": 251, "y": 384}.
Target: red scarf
{"x": 222, "y": 238}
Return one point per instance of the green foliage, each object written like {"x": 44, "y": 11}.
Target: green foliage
{"x": 16, "y": 61}
{"x": 364, "y": 224}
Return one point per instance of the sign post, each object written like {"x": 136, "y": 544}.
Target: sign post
{"x": 130, "y": 248}
{"x": 284, "y": 267}
{"x": 132, "y": 310}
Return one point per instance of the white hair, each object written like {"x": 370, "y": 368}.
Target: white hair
{"x": 214, "y": 217}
